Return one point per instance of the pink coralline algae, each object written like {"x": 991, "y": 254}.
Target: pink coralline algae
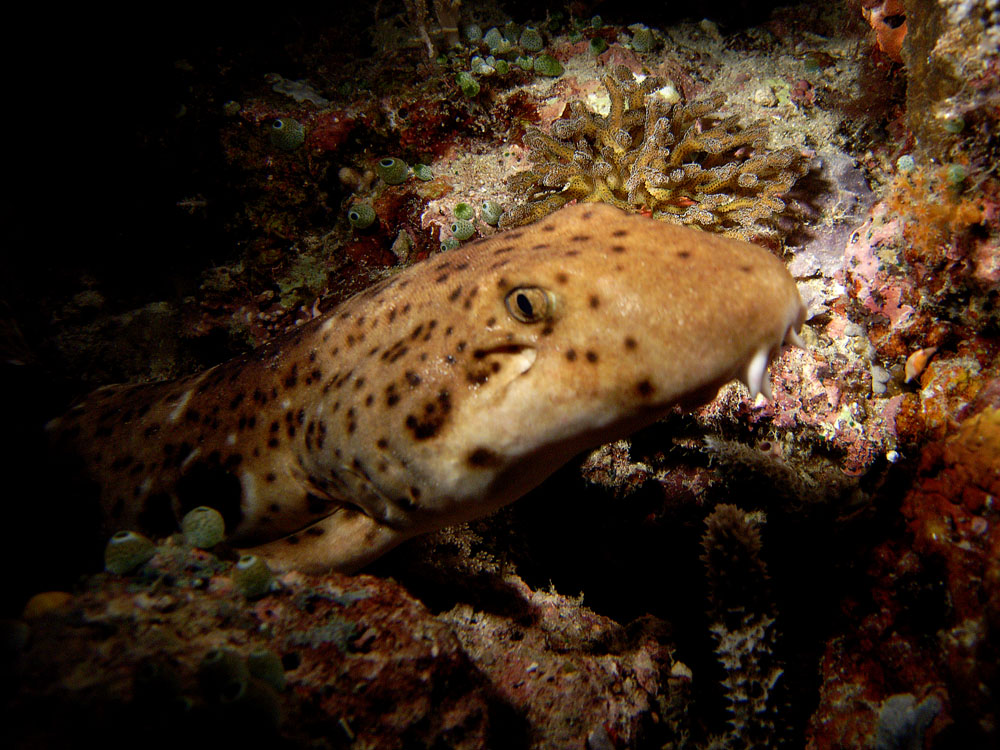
{"x": 946, "y": 570}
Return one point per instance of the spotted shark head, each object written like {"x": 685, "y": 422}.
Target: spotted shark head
{"x": 519, "y": 351}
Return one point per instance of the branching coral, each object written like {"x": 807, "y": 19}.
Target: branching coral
{"x": 683, "y": 161}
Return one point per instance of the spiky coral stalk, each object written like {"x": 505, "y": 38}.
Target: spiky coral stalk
{"x": 742, "y": 621}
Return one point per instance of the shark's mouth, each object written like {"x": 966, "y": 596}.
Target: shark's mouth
{"x": 505, "y": 361}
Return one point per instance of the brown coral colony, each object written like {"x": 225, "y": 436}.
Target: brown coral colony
{"x": 682, "y": 161}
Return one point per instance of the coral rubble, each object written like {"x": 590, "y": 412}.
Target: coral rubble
{"x": 684, "y": 162}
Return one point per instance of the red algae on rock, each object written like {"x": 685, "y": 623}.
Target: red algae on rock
{"x": 946, "y": 572}
{"x": 364, "y": 662}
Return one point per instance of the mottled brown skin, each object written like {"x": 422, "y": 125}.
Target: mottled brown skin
{"x": 444, "y": 392}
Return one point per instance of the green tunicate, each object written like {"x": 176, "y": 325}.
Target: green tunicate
{"x": 393, "y": 171}
{"x": 462, "y": 229}
{"x": 596, "y": 22}
{"x": 450, "y": 244}
{"x": 287, "y": 134}
{"x": 468, "y": 84}
{"x": 361, "y": 215}
{"x": 218, "y": 668}
{"x": 472, "y": 32}
{"x": 954, "y": 124}
{"x": 494, "y": 39}
{"x": 422, "y": 172}
{"x": 598, "y": 45}
{"x": 531, "y": 40}
{"x": 126, "y": 551}
{"x": 547, "y": 65}
{"x": 464, "y": 211}
{"x": 480, "y": 67}
{"x": 491, "y": 212}
{"x": 502, "y": 67}
{"x": 265, "y": 665}
{"x": 203, "y": 527}
{"x": 525, "y": 63}
{"x": 575, "y": 36}
{"x": 251, "y": 576}
{"x": 956, "y": 174}
{"x": 905, "y": 164}
{"x": 643, "y": 40}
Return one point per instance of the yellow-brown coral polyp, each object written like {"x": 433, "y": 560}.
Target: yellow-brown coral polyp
{"x": 682, "y": 161}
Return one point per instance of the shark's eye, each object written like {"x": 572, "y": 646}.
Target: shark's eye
{"x": 529, "y": 304}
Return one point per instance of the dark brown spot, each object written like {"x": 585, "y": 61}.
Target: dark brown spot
{"x": 236, "y": 400}
{"x": 746, "y": 269}
{"x": 571, "y": 355}
{"x": 503, "y": 250}
{"x": 435, "y": 414}
{"x": 630, "y": 343}
{"x": 580, "y": 237}
{"x": 412, "y": 378}
{"x": 382, "y": 443}
{"x": 619, "y": 233}
{"x": 591, "y": 356}
{"x": 455, "y": 293}
{"x": 315, "y": 531}
{"x": 270, "y": 477}
{"x": 547, "y": 330}
{"x": 490, "y": 322}
{"x": 618, "y": 248}
{"x": 482, "y": 458}
{"x": 540, "y": 246}
{"x": 644, "y": 388}
{"x": 391, "y": 397}
{"x": 562, "y": 278}
{"x": 441, "y": 279}
{"x": 595, "y": 301}
{"x": 548, "y": 227}
{"x": 683, "y": 254}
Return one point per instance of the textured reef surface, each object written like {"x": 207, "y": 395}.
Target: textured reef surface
{"x": 820, "y": 569}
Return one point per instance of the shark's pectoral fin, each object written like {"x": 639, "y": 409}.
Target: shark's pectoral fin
{"x": 344, "y": 541}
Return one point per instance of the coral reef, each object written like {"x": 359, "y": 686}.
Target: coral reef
{"x": 952, "y": 57}
{"x": 175, "y": 652}
{"x": 684, "y": 162}
{"x": 875, "y": 462}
